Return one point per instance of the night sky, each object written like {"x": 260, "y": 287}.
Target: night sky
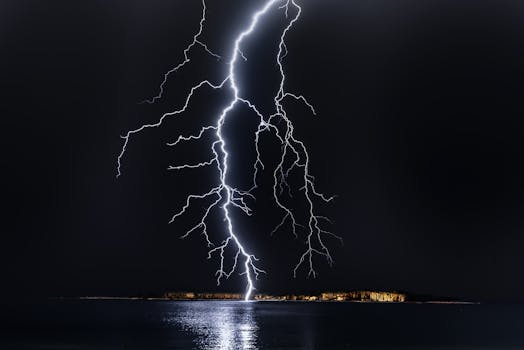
{"x": 419, "y": 132}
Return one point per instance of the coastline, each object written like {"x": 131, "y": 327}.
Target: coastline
{"x": 272, "y": 298}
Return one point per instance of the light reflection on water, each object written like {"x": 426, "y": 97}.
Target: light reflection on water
{"x": 220, "y": 326}
{"x": 152, "y": 325}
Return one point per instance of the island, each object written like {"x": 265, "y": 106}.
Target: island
{"x": 371, "y": 296}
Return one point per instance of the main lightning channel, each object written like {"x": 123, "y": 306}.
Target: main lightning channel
{"x": 220, "y": 123}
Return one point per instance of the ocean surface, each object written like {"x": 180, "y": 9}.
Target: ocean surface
{"x": 214, "y": 325}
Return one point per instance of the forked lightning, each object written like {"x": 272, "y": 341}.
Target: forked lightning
{"x": 293, "y": 158}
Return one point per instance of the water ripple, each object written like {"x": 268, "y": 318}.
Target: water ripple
{"x": 218, "y": 326}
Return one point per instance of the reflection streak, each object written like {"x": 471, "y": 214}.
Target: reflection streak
{"x": 218, "y": 326}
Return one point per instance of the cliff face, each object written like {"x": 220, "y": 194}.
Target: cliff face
{"x": 364, "y": 296}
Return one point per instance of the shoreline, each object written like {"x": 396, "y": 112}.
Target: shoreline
{"x": 109, "y": 298}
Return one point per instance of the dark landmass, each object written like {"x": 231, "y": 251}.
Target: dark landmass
{"x": 355, "y": 296}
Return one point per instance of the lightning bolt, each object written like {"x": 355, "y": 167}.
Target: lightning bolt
{"x": 293, "y": 158}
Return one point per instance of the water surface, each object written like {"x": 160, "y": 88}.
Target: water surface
{"x": 224, "y": 325}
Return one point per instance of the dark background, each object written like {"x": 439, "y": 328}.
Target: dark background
{"x": 419, "y": 132}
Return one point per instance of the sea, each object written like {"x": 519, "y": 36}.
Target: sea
{"x": 224, "y": 325}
